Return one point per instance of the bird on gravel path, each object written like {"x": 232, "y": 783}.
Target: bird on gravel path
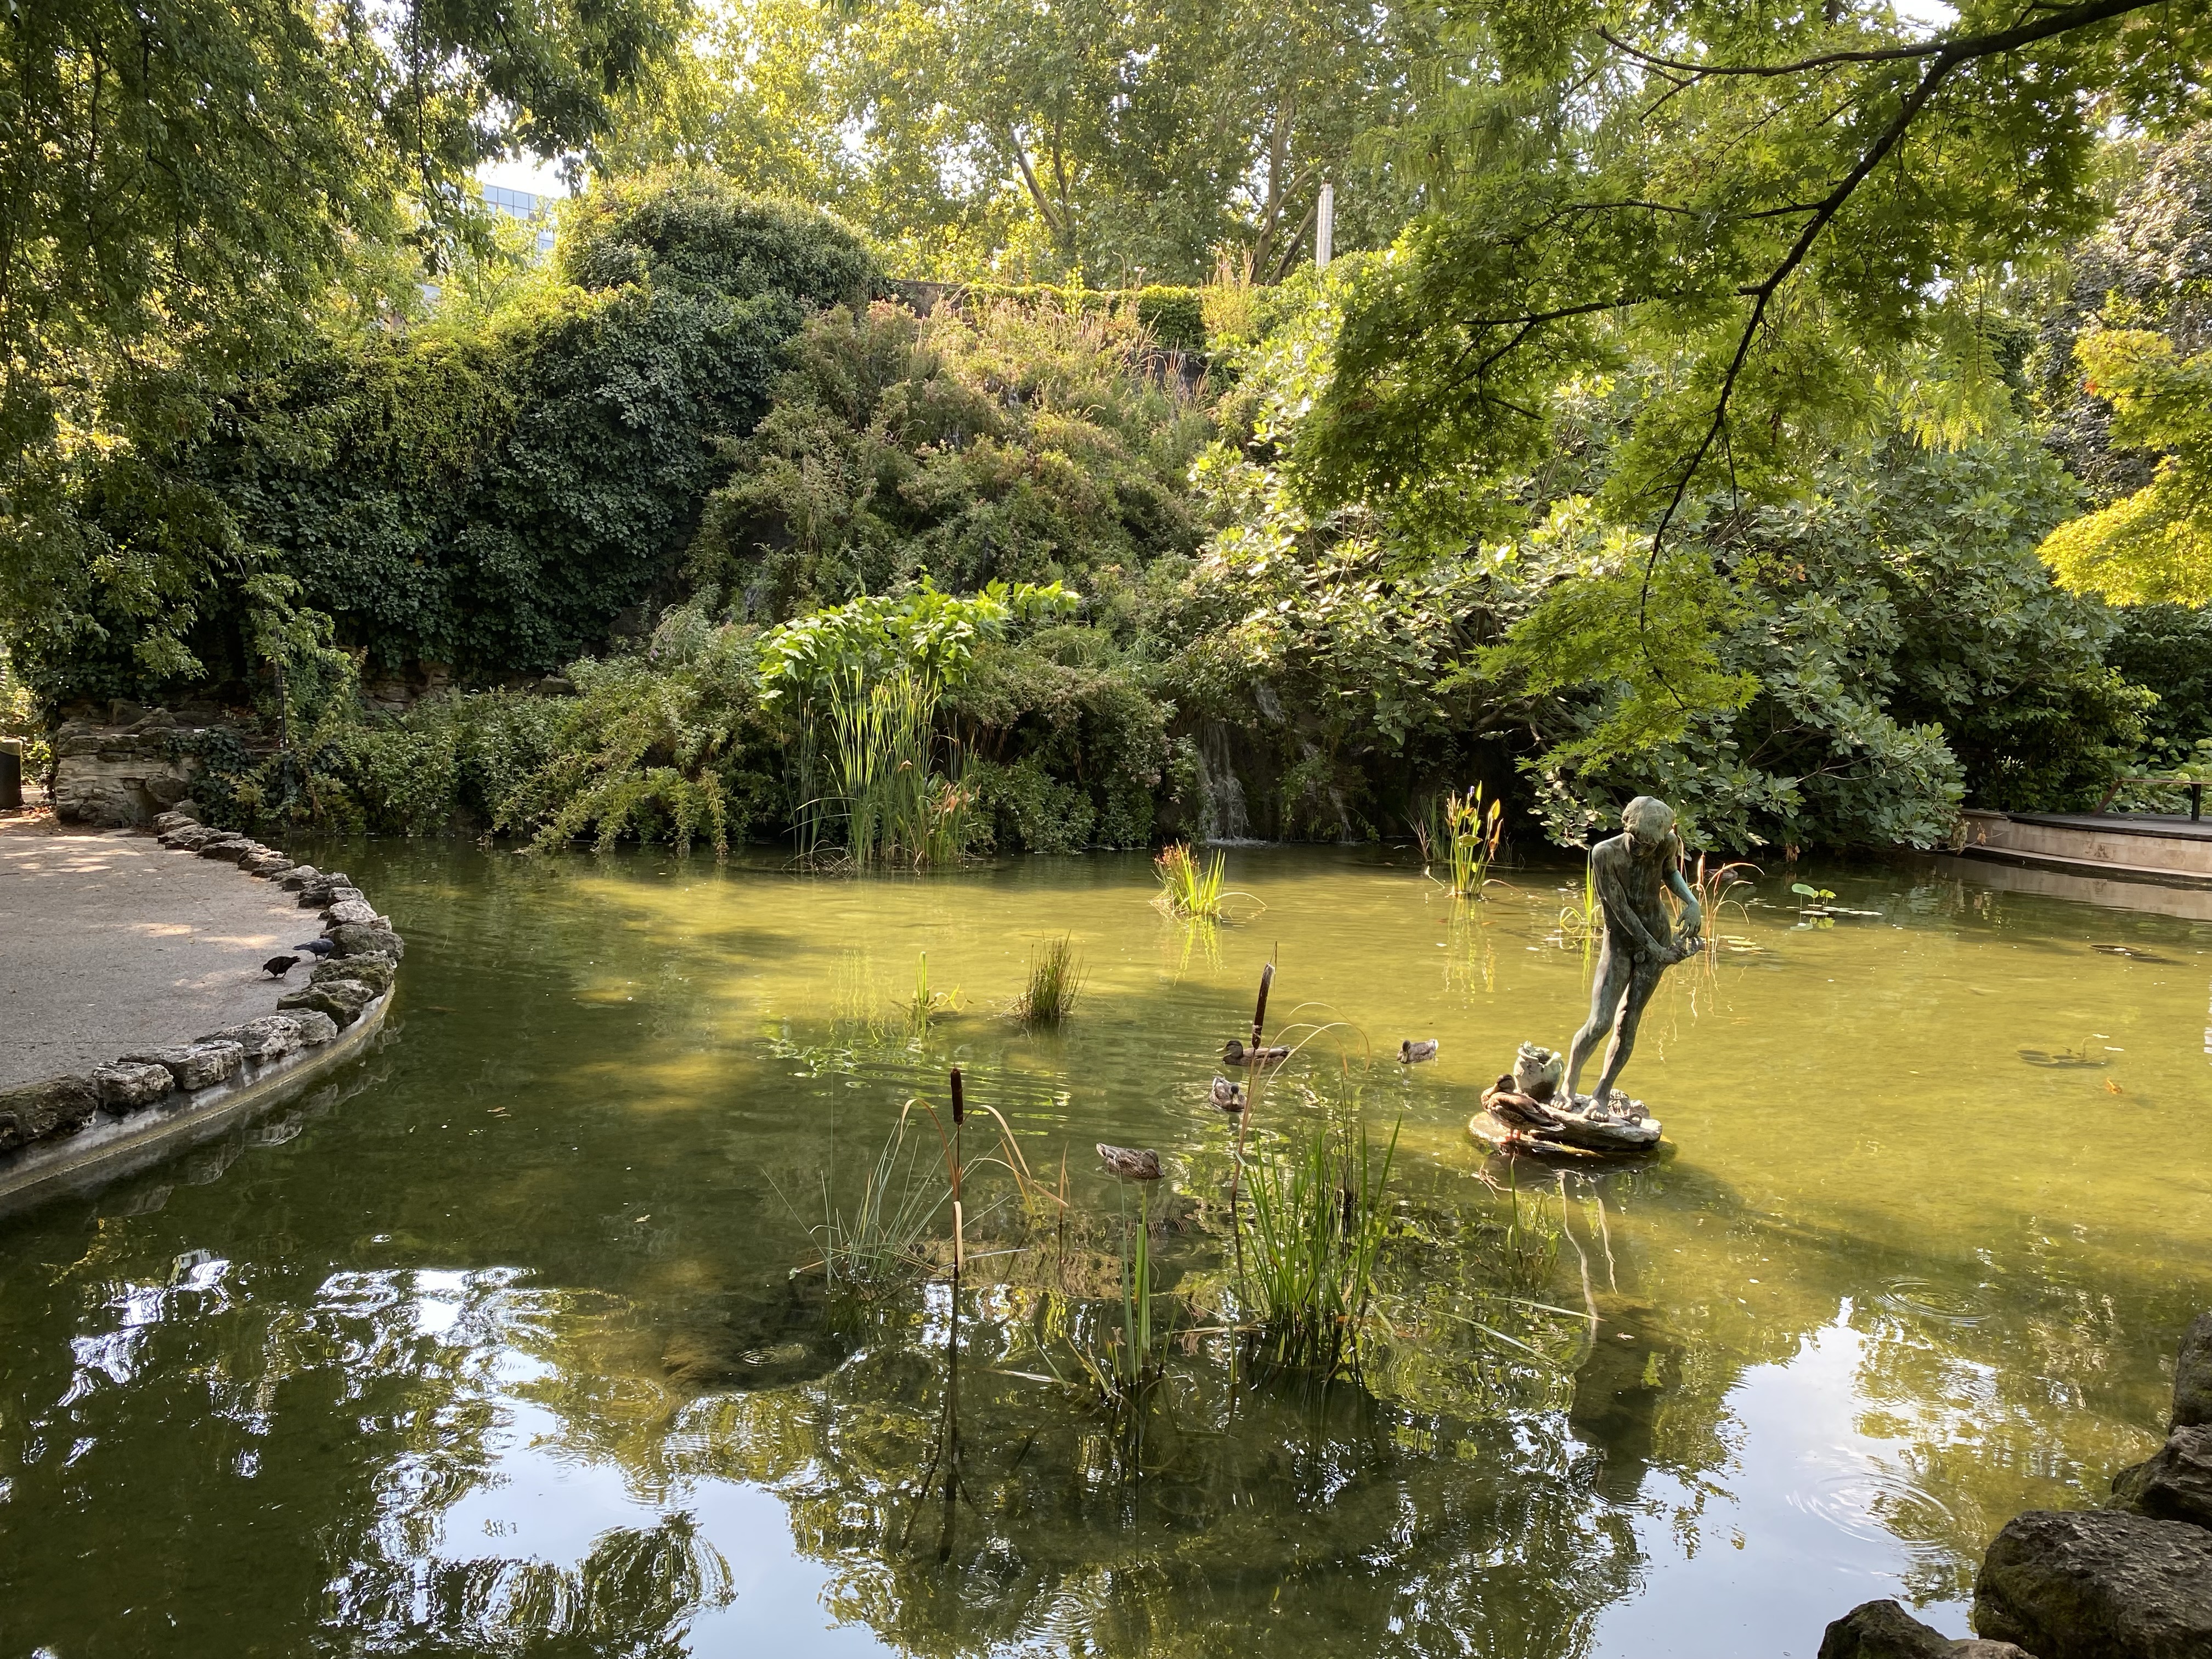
{"x": 278, "y": 967}
{"x": 317, "y": 947}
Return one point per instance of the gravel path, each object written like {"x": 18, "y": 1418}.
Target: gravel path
{"x": 109, "y": 941}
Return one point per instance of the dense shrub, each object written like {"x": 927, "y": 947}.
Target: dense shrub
{"x": 2167, "y": 648}
{"x": 1013, "y": 444}
{"x": 696, "y": 232}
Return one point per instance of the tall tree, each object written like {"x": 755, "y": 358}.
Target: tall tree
{"x": 181, "y": 179}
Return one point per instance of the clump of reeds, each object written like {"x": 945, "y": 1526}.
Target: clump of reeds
{"x": 1318, "y": 1222}
{"x": 880, "y": 1242}
{"x": 1473, "y": 833}
{"x": 897, "y": 806}
{"x": 1055, "y": 979}
{"x": 1190, "y": 885}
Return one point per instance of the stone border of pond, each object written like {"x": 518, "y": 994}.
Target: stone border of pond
{"x": 69, "y": 1133}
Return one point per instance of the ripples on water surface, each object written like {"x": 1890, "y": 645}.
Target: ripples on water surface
{"x": 495, "y": 1345}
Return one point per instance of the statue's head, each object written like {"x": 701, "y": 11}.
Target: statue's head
{"x": 1649, "y": 820}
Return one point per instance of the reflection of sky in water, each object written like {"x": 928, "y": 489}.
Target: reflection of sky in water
{"x": 1809, "y": 1530}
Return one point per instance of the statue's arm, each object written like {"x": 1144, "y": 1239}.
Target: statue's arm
{"x": 1693, "y": 914}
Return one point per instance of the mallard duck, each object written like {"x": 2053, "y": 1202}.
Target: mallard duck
{"x": 1227, "y": 1096}
{"x": 1412, "y": 1054}
{"x": 1137, "y": 1164}
{"x": 1234, "y": 1053}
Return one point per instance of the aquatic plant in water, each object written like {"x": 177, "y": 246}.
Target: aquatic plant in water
{"x": 880, "y": 1242}
{"x": 1472, "y": 834}
{"x": 1309, "y": 1251}
{"x": 1055, "y": 979}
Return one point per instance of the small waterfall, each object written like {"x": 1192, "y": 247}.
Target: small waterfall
{"x": 1224, "y": 817}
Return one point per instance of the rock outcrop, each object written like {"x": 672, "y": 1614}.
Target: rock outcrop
{"x": 1883, "y": 1630}
{"x": 2098, "y": 1584}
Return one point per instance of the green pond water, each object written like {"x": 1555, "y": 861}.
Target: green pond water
{"x": 495, "y": 1345}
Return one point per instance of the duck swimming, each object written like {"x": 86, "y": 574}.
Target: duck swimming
{"x": 1138, "y": 1163}
{"x": 1227, "y": 1096}
{"x": 1412, "y": 1054}
{"x": 1234, "y": 1053}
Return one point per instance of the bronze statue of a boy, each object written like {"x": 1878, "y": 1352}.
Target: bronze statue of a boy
{"x": 1632, "y": 871}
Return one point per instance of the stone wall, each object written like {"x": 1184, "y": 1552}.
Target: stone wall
{"x": 342, "y": 979}
{"x": 123, "y": 770}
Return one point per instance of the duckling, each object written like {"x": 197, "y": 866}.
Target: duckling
{"x": 1234, "y": 1053}
{"x": 1137, "y": 1164}
{"x": 1227, "y": 1096}
{"x": 1412, "y": 1054}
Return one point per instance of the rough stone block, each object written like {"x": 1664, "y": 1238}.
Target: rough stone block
{"x": 353, "y": 940}
{"x": 298, "y": 877}
{"x": 270, "y": 1037}
{"x": 174, "y": 818}
{"x": 2098, "y": 1584}
{"x": 1882, "y": 1629}
{"x": 353, "y": 910}
{"x": 128, "y": 1084}
{"x": 2193, "y": 1376}
{"x": 2176, "y": 1484}
{"x": 266, "y": 864}
{"x": 316, "y": 1027}
{"x": 195, "y": 1065}
{"x": 52, "y": 1106}
{"x": 375, "y": 972}
{"x": 343, "y": 1000}
{"x": 228, "y": 848}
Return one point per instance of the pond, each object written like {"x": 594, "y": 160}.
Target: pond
{"x": 515, "y": 1339}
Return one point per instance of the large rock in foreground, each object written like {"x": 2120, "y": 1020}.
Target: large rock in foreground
{"x": 2098, "y": 1584}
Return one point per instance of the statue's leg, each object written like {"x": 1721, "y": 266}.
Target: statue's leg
{"x": 1642, "y": 982}
{"x": 1606, "y": 993}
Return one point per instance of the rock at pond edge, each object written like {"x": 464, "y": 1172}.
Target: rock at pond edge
{"x": 52, "y": 1106}
{"x": 128, "y": 1084}
{"x": 270, "y": 1037}
{"x": 2098, "y": 1584}
{"x": 355, "y": 939}
{"x": 343, "y": 1000}
{"x": 316, "y": 1027}
{"x": 194, "y": 1065}
{"x": 1882, "y": 1629}
{"x": 2193, "y": 1376}
{"x": 375, "y": 972}
{"x": 2176, "y": 1482}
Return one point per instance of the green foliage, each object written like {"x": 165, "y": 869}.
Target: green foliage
{"x": 990, "y": 139}
{"x": 2168, "y": 649}
{"x": 1017, "y": 444}
{"x": 180, "y": 187}
{"x": 696, "y": 232}
{"x": 1319, "y": 1216}
{"x": 672, "y": 745}
{"x": 1773, "y": 251}
{"x": 2155, "y": 545}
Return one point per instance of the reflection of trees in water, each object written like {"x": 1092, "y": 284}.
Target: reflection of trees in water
{"x": 635, "y": 1593}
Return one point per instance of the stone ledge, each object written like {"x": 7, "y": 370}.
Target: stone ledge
{"x": 68, "y": 1131}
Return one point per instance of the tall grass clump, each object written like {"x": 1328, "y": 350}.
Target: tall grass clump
{"x": 897, "y": 806}
{"x": 1056, "y": 979}
{"x": 1311, "y": 1247}
{"x": 883, "y": 1241}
